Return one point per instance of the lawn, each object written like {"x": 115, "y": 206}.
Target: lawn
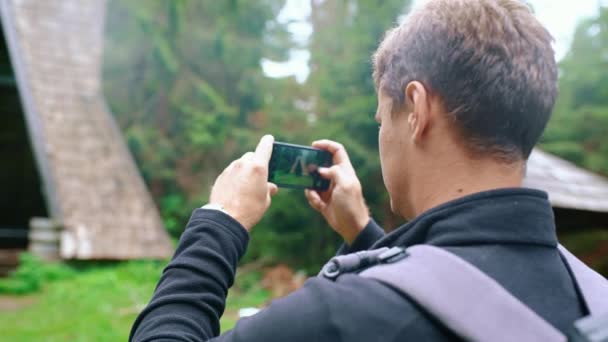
{"x": 282, "y": 177}
{"x": 99, "y": 303}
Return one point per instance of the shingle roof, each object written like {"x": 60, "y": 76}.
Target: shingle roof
{"x": 92, "y": 185}
{"x": 568, "y": 185}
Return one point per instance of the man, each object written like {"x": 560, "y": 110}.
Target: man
{"x": 465, "y": 89}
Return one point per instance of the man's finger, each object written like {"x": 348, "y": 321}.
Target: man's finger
{"x": 264, "y": 149}
{"x": 331, "y": 173}
{"x": 230, "y": 166}
{"x": 314, "y": 200}
{"x": 247, "y": 156}
{"x": 272, "y": 189}
{"x": 336, "y": 149}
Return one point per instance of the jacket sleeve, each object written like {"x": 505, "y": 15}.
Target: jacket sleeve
{"x": 191, "y": 294}
{"x": 368, "y": 236}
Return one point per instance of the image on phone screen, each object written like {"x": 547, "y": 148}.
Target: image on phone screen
{"x": 295, "y": 166}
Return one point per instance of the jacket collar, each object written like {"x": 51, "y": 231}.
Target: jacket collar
{"x": 502, "y": 216}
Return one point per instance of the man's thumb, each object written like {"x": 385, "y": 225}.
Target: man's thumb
{"x": 330, "y": 173}
{"x": 273, "y": 189}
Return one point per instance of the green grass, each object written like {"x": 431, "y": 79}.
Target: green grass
{"x": 100, "y": 303}
{"x": 236, "y": 300}
{"x": 290, "y": 178}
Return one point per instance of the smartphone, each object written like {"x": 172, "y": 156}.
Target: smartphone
{"x": 296, "y": 166}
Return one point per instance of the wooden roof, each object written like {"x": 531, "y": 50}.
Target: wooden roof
{"x": 568, "y": 185}
{"x": 91, "y": 183}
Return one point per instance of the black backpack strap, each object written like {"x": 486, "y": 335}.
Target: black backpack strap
{"x": 593, "y": 286}
{"x": 468, "y": 302}
{"x": 355, "y": 262}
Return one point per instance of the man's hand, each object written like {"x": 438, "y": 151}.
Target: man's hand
{"x": 243, "y": 189}
{"x": 342, "y": 205}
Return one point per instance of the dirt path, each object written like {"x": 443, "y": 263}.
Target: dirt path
{"x": 12, "y": 303}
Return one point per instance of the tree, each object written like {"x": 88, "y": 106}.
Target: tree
{"x": 184, "y": 79}
{"x": 577, "y": 130}
{"x": 345, "y": 34}
{"x": 338, "y": 102}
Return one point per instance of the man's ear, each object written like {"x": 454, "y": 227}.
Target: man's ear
{"x": 418, "y": 119}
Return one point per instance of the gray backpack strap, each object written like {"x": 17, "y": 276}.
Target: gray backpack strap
{"x": 593, "y": 287}
{"x": 468, "y": 302}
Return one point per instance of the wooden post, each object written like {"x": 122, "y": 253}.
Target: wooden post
{"x": 9, "y": 259}
{"x": 44, "y": 237}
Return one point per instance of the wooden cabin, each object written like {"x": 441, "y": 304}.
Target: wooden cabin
{"x": 63, "y": 156}
{"x": 579, "y": 197}
{"x": 580, "y": 203}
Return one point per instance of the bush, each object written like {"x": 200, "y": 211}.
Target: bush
{"x": 32, "y": 273}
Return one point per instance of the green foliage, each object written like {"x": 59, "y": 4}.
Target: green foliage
{"x": 246, "y": 281}
{"x": 185, "y": 83}
{"x": 293, "y": 233}
{"x": 345, "y": 35}
{"x": 31, "y": 274}
{"x": 183, "y": 78}
{"x": 577, "y": 131}
{"x": 247, "y": 292}
{"x": 590, "y": 245}
{"x": 172, "y": 207}
{"x": 100, "y": 303}
{"x": 255, "y": 297}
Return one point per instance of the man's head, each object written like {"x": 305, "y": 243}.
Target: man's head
{"x": 474, "y": 76}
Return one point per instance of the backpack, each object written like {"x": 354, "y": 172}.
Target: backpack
{"x": 420, "y": 272}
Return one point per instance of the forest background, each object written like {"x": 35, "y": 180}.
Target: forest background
{"x": 186, "y": 84}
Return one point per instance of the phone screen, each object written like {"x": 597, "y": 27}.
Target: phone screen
{"x": 295, "y": 166}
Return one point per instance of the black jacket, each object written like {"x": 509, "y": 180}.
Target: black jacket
{"x": 509, "y": 234}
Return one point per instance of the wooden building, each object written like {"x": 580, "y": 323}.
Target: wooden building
{"x": 579, "y": 197}
{"x": 580, "y": 203}
{"x": 62, "y": 154}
